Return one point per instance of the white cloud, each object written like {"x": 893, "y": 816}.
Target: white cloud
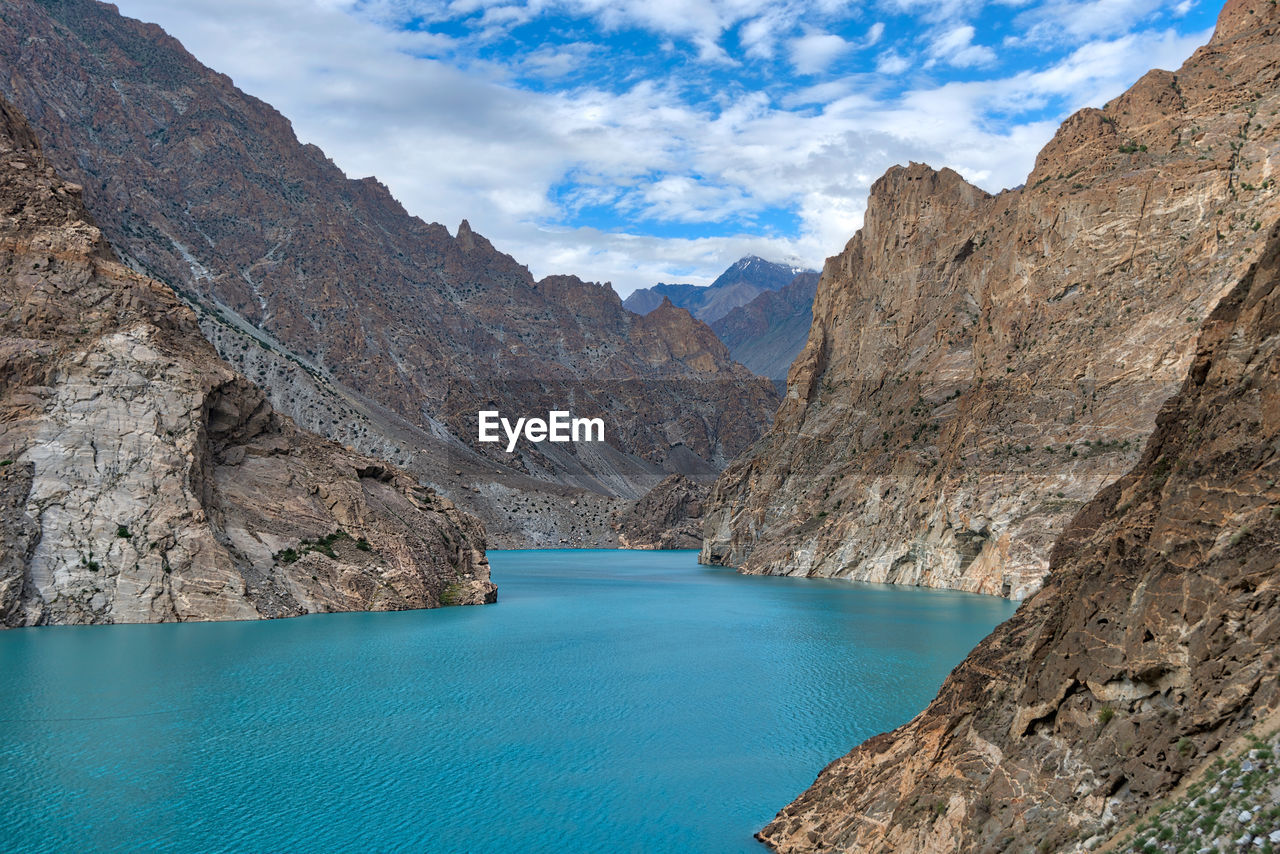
{"x": 456, "y": 144}
{"x": 891, "y": 63}
{"x": 813, "y": 53}
{"x": 1074, "y": 21}
{"x": 955, "y": 47}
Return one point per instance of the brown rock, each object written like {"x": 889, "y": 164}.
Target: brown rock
{"x": 145, "y": 481}
{"x": 669, "y": 516}
{"x": 979, "y": 366}
{"x": 1153, "y": 642}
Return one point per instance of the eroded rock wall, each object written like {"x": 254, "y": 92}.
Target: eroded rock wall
{"x": 980, "y": 366}
{"x": 1154, "y": 641}
{"x": 143, "y": 480}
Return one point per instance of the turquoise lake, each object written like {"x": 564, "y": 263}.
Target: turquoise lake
{"x": 611, "y": 701}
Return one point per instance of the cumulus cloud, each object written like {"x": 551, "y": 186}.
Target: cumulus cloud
{"x": 813, "y": 53}
{"x": 956, "y": 48}
{"x": 771, "y": 171}
{"x": 892, "y": 63}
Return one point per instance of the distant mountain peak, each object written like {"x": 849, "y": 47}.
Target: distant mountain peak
{"x": 743, "y": 281}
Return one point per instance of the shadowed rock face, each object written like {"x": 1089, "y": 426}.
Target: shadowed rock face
{"x": 668, "y": 517}
{"x": 144, "y": 481}
{"x": 208, "y": 190}
{"x": 1155, "y": 639}
{"x": 980, "y": 366}
{"x": 769, "y": 332}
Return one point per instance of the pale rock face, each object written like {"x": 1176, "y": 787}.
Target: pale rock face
{"x": 979, "y": 366}
{"x": 145, "y": 481}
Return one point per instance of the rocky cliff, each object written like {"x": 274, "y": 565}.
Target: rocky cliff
{"x": 979, "y": 366}
{"x": 369, "y": 325}
{"x": 668, "y": 517}
{"x": 143, "y": 480}
{"x": 1155, "y": 639}
{"x": 769, "y": 332}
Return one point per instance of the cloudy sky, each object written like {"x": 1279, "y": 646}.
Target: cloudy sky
{"x": 637, "y": 141}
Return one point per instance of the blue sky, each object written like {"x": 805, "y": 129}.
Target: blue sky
{"x": 637, "y": 141}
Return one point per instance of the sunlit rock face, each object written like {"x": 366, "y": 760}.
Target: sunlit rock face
{"x": 1153, "y": 642}
{"x": 980, "y": 366}
{"x": 144, "y": 480}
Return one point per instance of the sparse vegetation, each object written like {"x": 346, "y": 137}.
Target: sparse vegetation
{"x": 452, "y": 594}
{"x": 324, "y": 545}
{"x": 1232, "y": 808}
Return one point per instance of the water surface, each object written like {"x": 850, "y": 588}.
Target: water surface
{"x": 611, "y": 701}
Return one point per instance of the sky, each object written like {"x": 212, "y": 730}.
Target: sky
{"x": 639, "y": 141}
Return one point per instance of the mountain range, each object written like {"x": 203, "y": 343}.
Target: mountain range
{"x": 364, "y": 323}
{"x": 744, "y": 280}
{"x": 237, "y": 384}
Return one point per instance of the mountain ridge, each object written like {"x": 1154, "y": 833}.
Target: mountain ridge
{"x": 336, "y": 295}
{"x": 980, "y": 366}
{"x": 743, "y": 281}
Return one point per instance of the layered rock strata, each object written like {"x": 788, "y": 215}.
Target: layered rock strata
{"x": 1154, "y": 641}
{"x": 143, "y": 480}
{"x": 979, "y": 366}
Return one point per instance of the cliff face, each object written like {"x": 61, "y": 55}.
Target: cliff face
{"x": 769, "y": 332}
{"x": 980, "y": 366}
{"x": 668, "y": 517}
{"x": 388, "y": 333}
{"x": 143, "y": 480}
{"x": 1154, "y": 640}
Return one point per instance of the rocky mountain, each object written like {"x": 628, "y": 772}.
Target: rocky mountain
{"x": 769, "y": 332}
{"x": 143, "y": 480}
{"x": 980, "y": 366}
{"x": 745, "y": 280}
{"x": 668, "y": 517}
{"x": 1154, "y": 641}
{"x": 366, "y": 324}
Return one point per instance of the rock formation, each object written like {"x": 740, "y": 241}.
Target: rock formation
{"x": 1155, "y": 639}
{"x": 980, "y": 366}
{"x": 366, "y": 324}
{"x": 668, "y": 517}
{"x": 745, "y": 280}
{"x": 769, "y": 332}
{"x": 143, "y": 480}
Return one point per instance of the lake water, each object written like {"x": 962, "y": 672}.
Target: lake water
{"x": 611, "y": 701}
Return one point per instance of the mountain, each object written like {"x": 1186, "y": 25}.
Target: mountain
{"x": 368, "y": 325}
{"x": 980, "y": 366}
{"x": 145, "y": 481}
{"x": 769, "y": 332}
{"x": 745, "y": 280}
{"x": 1151, "y": 646}
{"x": 668, "y": 517}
